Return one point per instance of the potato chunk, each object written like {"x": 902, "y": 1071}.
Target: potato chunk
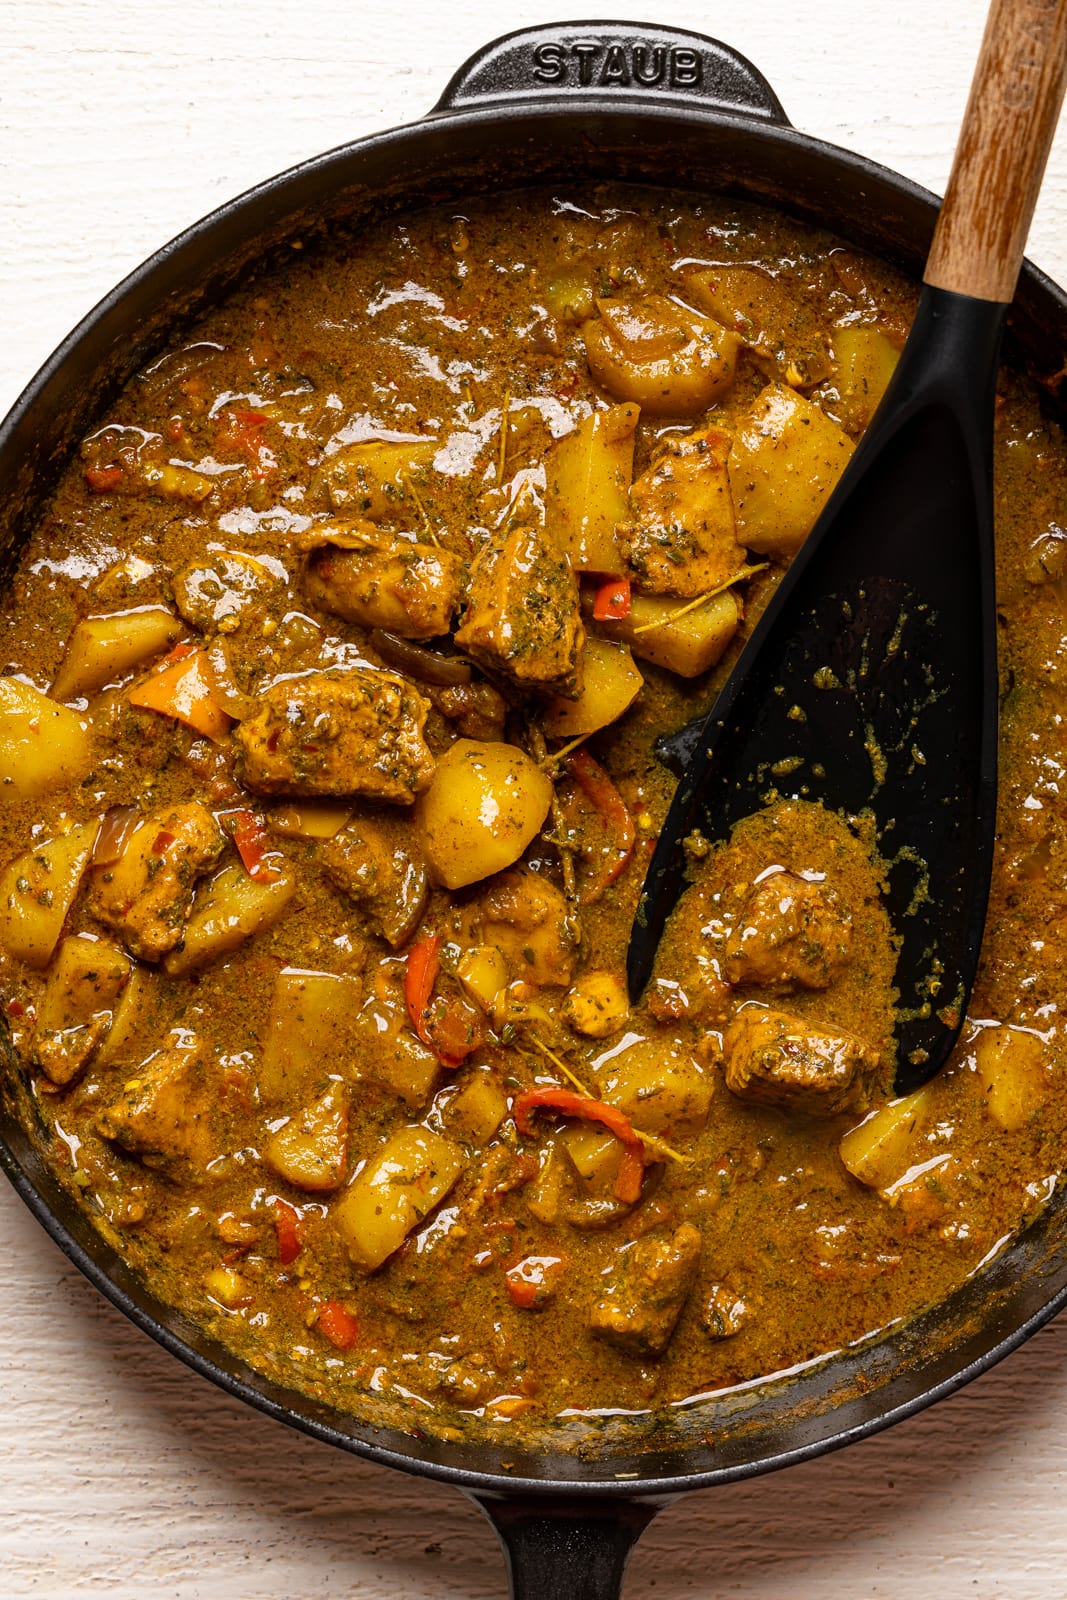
{"x": 610, "y": 685}
{"x": 146, "y": 895}
{"x": 337, "y": 733}
{"x": 778, "y": 1060}
{"x": 78, "y": 1006}
{"x": 311, "y": 1150}
{"x": 164, "y": 1112}
{"x": 310, "y": 1029}
{"x": 477, "y": 1110}
{"x": 865, "y": 360}
{"x": 647, "y": 1292}
{"x": 43, "y": 746}
{"x": 228, "y": 909}
{"x": 379, "y": 479}
{"x": 384, "y": 875}
{"x": 482, "y": 972}
{"x": 135, "y": 1016}
{"x": 103, "y": 649}
{"x": 396, "y": 1190}
{"x": 681, "y": 535}
{"x": 523, "y": 617}
{"x": 685, "y": 644}
{"x": 485, "y": 804}
{"x": 876, "y": 1151}
{"x": 587, "y": 482}
{"x": 657, "y": 1084}
{"x": 672, "y": 361}
{"x": 379, "y": 581}
{"x": 762, "y": 308}
{"x": 786, "y": 460}
{"x": 791, "y": 932}
{"x": 1010, "y": 1064}
{"x": 37, "y": 891}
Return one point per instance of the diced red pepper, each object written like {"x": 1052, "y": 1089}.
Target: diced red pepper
{"x": 531, "y": 1282}
{"x": 163, "y": 842}
{"x": 337, "y": 1324}
{"x": 242, "y": 431}
{"x": 571, "y": 1104}
{"x": 287, "y": 1228}
{"x": 253, "y": 842}
{"x": 101, "y": 479}
{"x": 612, "y": 600}
{"x": 602, "y": 794}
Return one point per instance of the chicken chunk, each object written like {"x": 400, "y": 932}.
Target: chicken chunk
{"x": 682, "y": 539}
{"x": 382, "y": 581}
{"x": 724, "y": 1312}
{"x": 163, "y": 1113}
{"x": 640, "y": 1310}
{"x": 343, "y": 733}
{"x": 523, "y": 617}
{"x": 778, "y": 1060}
{"x": 146, "y": 896}
{"x": 791, "y": 931}
{"x": 78, "y": 1006}
{"x": 524, "y": 916}
{"x": 381, "y": 875}
{"x": 597, "y": 1005}
{"x": 218, "y": 591}
{"x": 477, "y": 709}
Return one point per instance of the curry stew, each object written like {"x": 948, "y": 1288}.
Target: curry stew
{"x": 330, "y": 686}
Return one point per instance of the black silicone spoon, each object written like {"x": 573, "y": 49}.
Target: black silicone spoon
{"x": 871, "y": 679}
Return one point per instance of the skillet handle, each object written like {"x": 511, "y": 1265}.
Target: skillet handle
{"x": 612, "y": 61}
{"x": 1011, "y": 116}
{"x": 566, "y": 1550}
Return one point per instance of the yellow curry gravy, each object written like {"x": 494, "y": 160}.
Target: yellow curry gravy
{"x": 283, "y": 939}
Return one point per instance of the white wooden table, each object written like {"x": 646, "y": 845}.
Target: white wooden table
{"x": 120, "y": 1473}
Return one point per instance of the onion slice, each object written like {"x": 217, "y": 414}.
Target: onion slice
{"x": 230, "y": 696}
{"x": 425, "y": 665}
{"x": 114, "y": 835}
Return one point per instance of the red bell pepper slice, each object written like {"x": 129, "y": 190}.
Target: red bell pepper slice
{"x": 602, "y": 794}
{"x": 571, "y": 1104}
{"x": 420, "y": 975}
{"x": 450, "y": 1033}
{"x": 612, "y": 600}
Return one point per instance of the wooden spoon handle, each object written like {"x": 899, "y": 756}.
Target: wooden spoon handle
{"x": 1007, "y": 130}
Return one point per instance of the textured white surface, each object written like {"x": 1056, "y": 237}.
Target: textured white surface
{"x": 120, "y": 1473}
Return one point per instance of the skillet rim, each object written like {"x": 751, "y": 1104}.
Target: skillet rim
{"x": 851, "y": 1419}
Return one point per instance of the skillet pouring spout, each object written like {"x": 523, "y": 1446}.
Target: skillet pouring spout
{"x": 870, "y": 682}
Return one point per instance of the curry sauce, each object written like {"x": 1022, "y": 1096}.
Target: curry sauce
{"x": 331, "y": 682}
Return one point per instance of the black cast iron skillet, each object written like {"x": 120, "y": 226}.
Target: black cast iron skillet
{"x": 602, "y": 100}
